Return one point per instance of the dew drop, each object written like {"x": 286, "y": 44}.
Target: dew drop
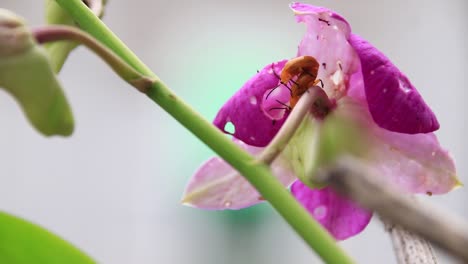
{"x": 433, "y": 153}
{"x": 227, "y": 204}
{"x": 252, "y": 138}
{"x": 372, "y": 72}
{"x": 320, "y": 212}
{"x": 404, "y": 85}
{"x": 384, "y": 90}
{"x": 253, "y": 100}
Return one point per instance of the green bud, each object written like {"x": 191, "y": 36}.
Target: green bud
{"x": 15, "y": 38}
{"x": 26, "y": 74}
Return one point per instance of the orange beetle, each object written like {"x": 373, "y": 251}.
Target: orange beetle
{"x": 305, "y": 68}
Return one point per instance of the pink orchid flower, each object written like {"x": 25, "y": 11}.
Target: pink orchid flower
{"x": 371, "y": 97}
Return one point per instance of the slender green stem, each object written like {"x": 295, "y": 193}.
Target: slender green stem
{"x": 306, "y": 103}
{"x": 52, "y": 33}
{"x": 258, "y": 174}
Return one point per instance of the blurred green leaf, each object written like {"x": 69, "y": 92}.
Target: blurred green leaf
{"x": 22, "y": 242}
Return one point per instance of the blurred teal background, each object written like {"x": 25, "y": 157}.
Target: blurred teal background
{"x": 113, "y": 188}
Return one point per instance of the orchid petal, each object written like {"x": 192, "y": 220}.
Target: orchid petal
{"x": 393, "y": 101}
{"x": 246, "y": 112}
{"x": 326, "y": 40}
{"x": 414, "y": 162}
{"x": 342, "y": 217}
{"x": 304, "y": 9}
{"x": 216, "y": 185}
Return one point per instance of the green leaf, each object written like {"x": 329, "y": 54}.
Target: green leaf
{"x": 22, "y": 242}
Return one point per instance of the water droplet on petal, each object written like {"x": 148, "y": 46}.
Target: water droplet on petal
{"x": 320, "y": 212}
{"x": 253, "y": 100}
{"x": 404, "y": 85}
{"x": 227, "y": 204}
{"x": 433, "y": 153}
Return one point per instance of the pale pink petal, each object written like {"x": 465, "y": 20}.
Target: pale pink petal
{"x": 326, "y": 40}
{"x": 414, "y": 162}
{"x": 393, "y": 101}
{"x": 301, "y": 8}
{"x": 245, "y": 110}
{"x": 216, "y": 185}
{"x": 342, "y": 217}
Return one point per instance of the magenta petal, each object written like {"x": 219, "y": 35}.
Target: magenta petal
{"x": 340, "y": 216}
{"x": 393, "y": 101}
{"x": 244, "y": 109}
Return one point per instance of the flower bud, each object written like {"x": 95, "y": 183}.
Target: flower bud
{"x": 26, "y": 74}
{"x": 14, "y": 36}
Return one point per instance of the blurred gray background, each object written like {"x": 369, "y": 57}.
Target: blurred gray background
{"x": 114, "y": 187}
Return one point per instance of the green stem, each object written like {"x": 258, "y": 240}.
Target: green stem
{"x": 258, "y": 174}
{"x": 53, "y": 33}
{"x": 307, "y": 103}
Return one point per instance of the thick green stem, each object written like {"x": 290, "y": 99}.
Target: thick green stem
{"x": 258, "y": 174}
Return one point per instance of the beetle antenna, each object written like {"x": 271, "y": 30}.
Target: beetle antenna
{"x": 280, "y": 108}
{"x": 271, "y": 92}
{"x": 283, "y": 104}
